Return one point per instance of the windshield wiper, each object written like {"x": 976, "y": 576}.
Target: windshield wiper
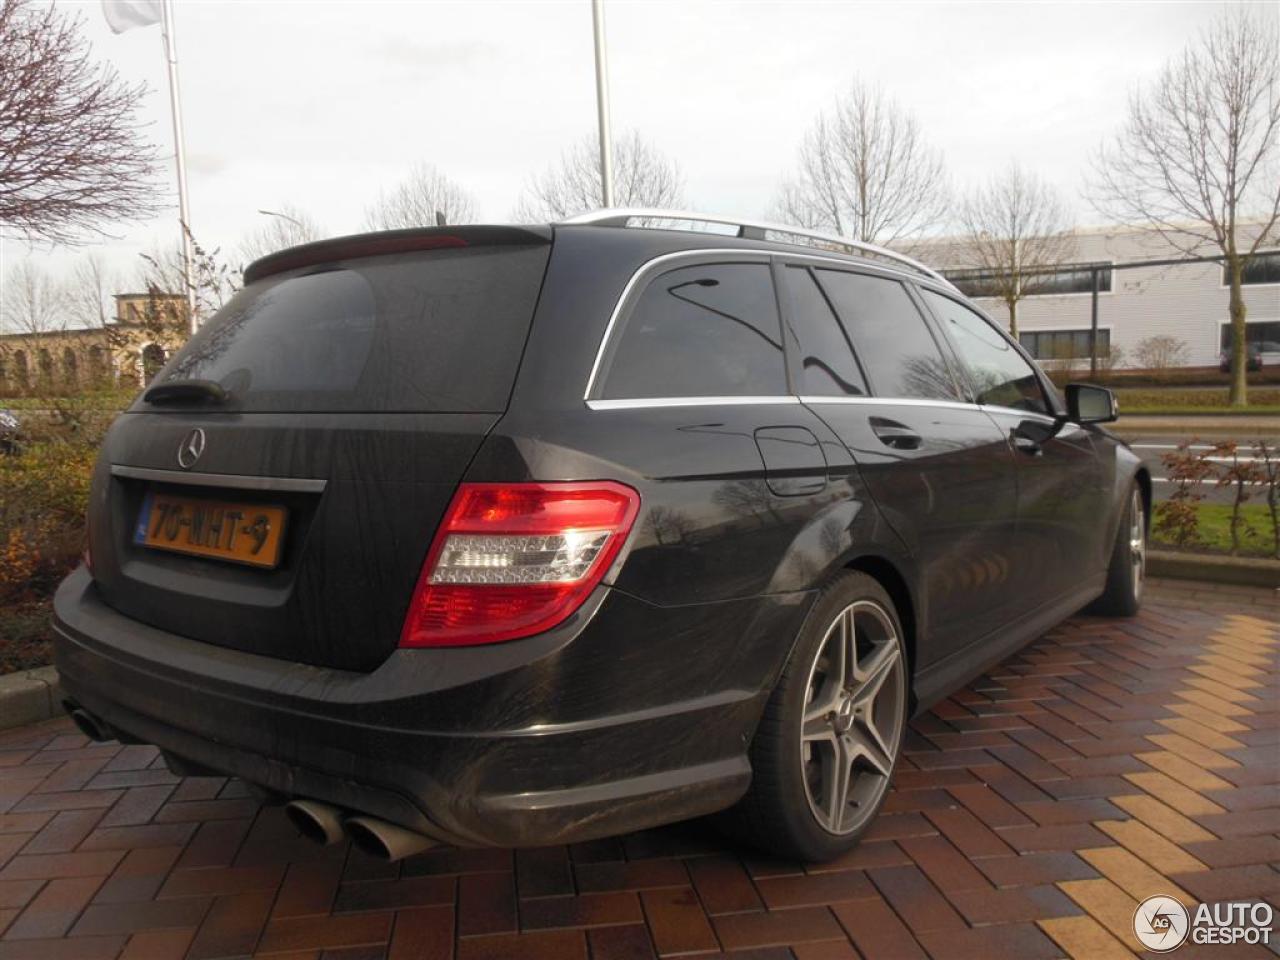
{"x": 186, "y": 391}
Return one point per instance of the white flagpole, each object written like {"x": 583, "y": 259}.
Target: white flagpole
{"x": 180, "y": 156}
{"x": 602, "y": 104}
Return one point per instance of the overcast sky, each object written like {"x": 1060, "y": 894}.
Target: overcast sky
{"x": 320, "y": 104}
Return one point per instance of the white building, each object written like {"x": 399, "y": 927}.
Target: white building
{"x": 1185, "y": 301}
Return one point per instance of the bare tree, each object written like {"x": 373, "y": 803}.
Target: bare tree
{"x": 89, "y": 291}
{"x": 285, "y": 227}
{"x": 72, "y": 156}
{"x": 33, "y": 303}
{"x": 1198, "y": 155}
{"x": 643, "y": 177}
{"x": 213, "y": 282}
{"x": 1015, "y": 231}
{"x": 419, "y": 200}
{"x": 865, "y": 172}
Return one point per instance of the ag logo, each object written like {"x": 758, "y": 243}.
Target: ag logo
{"x": 1161, "y": 924}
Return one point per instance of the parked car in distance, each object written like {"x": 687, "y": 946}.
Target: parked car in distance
{"x": 496, "y": 535}
{"x": 1253, "y": 359}
{"x": 10, "y": 433}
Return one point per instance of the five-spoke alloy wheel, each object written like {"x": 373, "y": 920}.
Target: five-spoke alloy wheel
{"x": 826, "y": 747}
{"x": 853, "y": 717}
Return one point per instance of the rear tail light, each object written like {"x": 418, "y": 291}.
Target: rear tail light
{"x": 511, "y": 560}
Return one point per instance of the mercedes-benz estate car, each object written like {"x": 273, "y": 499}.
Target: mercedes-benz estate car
{"x": 499, "y": 535}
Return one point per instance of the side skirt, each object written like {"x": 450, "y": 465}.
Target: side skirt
{"x": 953, "y": 672}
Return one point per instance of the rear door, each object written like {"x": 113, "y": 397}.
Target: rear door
{"x": 938, "y": 468}
{"x": 357, "y": 390}
{"x": 1063, "y": 494}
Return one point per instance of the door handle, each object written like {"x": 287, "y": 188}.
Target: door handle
{"x": 894, "y": 434}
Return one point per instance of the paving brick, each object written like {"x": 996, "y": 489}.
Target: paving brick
{"x": 621, "y": 943}
{"x": 637, "y": 875}
{"x": 233, "y": 925}
{"x": 422, "y": 933}
{"x": 111, "y": 918}
{"x": 55, "y": 909}
{"x": 778, "y": 928}
{"x": 394, "y": 894}
{"x": 877, "y": 931}
{"x": 158, "y": 945}
{"x": 295, "y": 933}
{"x": 1083, "y": 938}
{"x": 139, "y": 875}
{"x": 486, "y": 904}
{"x": 812, "y": 889}
{"x": 723, "y": 886}
{"x": 588, "y": 910}
{"x": 544, "y": 872}
{"x": 677, "y": 923}
{"x": 539, "y": 945}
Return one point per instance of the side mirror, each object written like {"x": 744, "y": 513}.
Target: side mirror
{"x": 1087, "y": 403}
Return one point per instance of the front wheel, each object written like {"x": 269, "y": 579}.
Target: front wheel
{"x": 1127, "y": 573}
{"x": 832, "y": 731}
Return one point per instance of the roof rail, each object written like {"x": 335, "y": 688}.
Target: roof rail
{"x": 753, "y": 230}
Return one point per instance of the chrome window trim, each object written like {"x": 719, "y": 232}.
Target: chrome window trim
{"x": 650, "y": 267}
{"x": 892, "y": 401}
{"x": 1000, "y": 408}
{"x": 241, "y": 482}
{"x": 646, "y": 403}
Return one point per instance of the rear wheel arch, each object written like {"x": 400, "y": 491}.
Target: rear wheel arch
{"x": 887, "y": 574}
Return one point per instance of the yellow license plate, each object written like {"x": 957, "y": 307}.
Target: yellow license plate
{"x": 222, "y": 530}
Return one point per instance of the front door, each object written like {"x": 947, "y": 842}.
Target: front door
{"x": 1062, "y": 502}
{"x": 938, "y": 468}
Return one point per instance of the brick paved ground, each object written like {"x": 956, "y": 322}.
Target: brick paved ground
{"x": 1110, "y": 761}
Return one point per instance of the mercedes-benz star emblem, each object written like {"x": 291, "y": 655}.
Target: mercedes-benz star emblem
{"x": 190, "y": 449}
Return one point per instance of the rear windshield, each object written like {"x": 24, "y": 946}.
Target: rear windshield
{"x": 418, "y": 332}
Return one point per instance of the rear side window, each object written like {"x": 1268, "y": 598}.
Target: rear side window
{"x": 999, "y": 374}
{"x": 889, "y": 336}
{"x": 419, "y": 332}
{"x": 710, "y": 330}
{"x": 827, "y": 367}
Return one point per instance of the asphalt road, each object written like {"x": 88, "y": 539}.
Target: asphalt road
{"x": 1150, "y": 447}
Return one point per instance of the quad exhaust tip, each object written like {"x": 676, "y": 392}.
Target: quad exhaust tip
{"x": 316, "y": 821}
{"x": 325, "y": 824}
{"x": 90, "y": 726}
{"x": 385, "y": 841}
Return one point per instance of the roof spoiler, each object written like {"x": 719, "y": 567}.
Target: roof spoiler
{"x": 393, "y": 241}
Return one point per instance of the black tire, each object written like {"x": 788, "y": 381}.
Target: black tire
{"x": 777, "y": 814}
{"x": 1126, "y": 573}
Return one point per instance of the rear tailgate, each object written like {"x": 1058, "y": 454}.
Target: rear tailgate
{"x": 358, "y": 390}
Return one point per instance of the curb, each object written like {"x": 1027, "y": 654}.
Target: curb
{"x": 1241, "y": 571}
{"x": 29, "y": 697}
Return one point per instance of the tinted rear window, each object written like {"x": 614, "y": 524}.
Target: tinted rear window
{"x": 435, "y": 332}
{"x": 705, "y": 331}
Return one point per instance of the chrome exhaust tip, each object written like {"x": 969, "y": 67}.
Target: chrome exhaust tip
{"x": 90, "y": 726}
{"x": 385, "y": 841}
{"x": 318, "y": 822}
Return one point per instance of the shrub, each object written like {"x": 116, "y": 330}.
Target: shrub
{"x": 1159, "y": 354}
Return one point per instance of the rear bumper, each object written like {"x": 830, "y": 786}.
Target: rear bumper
{"x": 626, "y": 716}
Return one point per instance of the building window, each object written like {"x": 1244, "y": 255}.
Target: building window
{"x": 22, "y": 371}
{"x": 1264, "y": 336}
{"x": 45, "y": 359}
{"x": 1261, "y": 268}
{"x": 70, "y": 365}
{"x": 1068, "y": 278}
{"x": 1063, "y": 344}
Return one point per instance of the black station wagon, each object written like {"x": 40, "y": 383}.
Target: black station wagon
{"x": 526, "y": 535}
